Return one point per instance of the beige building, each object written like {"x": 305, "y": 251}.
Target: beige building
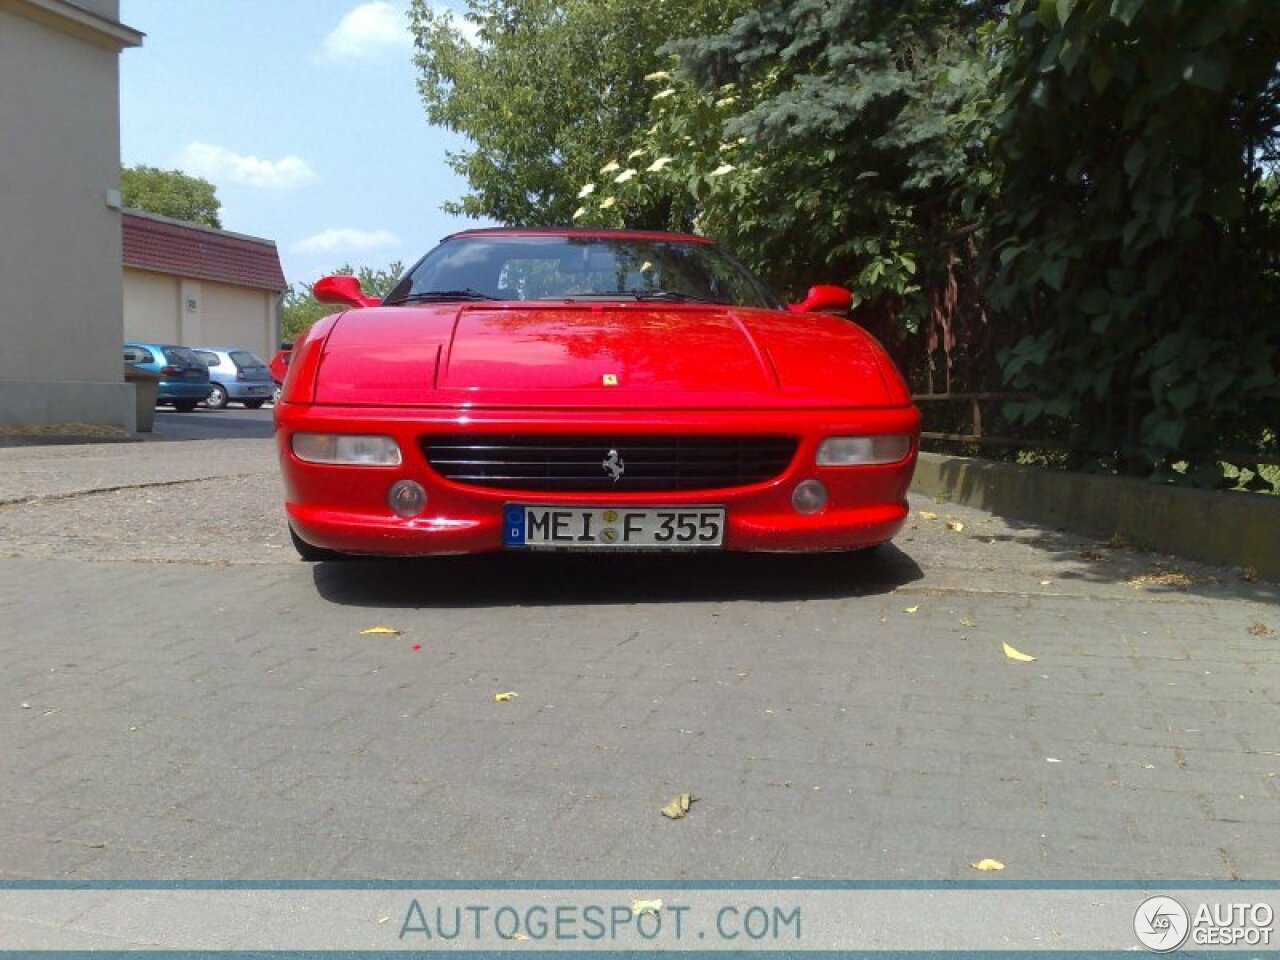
{"x": 60, "y": 307}
{"x": 199, "y": 287}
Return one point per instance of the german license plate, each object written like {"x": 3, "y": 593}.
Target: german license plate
{"x": 613, "y": 528}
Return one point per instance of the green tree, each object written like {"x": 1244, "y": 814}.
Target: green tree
{"x": 553, "y": 86}
{"x": 171, "y": 193}
{"x": 838, "y": 140}
{"x": 301, "y": 309}
{"x": 1135, "y": 244}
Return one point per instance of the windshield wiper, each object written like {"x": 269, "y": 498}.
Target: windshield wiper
{"x": 675, "y": 296}
{"x": 435, "y": 296}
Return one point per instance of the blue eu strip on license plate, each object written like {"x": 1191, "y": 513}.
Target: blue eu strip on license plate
{"x": 513, "y": 526}
{"x": 687, "y": 527}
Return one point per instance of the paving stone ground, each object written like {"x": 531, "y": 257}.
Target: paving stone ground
{"x": 182, "y": 698}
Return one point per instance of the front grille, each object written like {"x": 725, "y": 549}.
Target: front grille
{"x": 578, "y": 464}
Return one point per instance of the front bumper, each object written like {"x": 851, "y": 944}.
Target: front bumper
{"x": 182, "y": 390}
{"x": 344, "y": 508}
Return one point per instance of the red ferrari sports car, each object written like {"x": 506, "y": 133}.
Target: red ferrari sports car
{"x": 589, "y": 390}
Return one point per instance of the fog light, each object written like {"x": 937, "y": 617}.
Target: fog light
{"x": 407, "y": 498}
{"x": 809, "y": 496}
{"x": 855, "y": 451}
{"x": 351, "y": 449}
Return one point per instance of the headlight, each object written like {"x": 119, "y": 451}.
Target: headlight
{"x": 353, "y": 449}
{"x": 856, "y": 451}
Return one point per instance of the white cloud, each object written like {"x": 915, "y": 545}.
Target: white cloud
{"x": 346, "y": 238}
{"x": 370, "y": 30}
{"x": 221, "y": 165}
{"x": 379, "y": 29}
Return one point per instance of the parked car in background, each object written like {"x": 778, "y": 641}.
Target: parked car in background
{"x": 238, "y": 376}
{"x": 280, "y": 366}
{"x": 184, "y": 378}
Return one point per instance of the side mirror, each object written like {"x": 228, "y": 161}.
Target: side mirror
{"x": 342, "y": 289}
{"x": 824, "y": 298}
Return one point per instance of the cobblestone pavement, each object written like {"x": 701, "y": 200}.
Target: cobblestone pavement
{"x": 180, "y": 697}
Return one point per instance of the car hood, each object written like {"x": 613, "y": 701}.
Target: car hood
{"x": 606, "y": 355}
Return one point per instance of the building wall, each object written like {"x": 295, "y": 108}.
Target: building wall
{"x": 60, "y": 316}
{"x": 107, "y": 9}
{"x": 151, "y": 307}
{"x": 240, "y": 316}
{"x": 198, "y": 313}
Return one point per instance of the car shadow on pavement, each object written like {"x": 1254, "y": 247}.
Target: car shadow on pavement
{"x": 545, "y": 578}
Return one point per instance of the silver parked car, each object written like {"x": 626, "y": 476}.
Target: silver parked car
{"x": 238, "y": 376}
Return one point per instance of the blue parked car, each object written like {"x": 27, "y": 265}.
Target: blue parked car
{"x": 184, "y": 379}
{"x": 237, "y": 375}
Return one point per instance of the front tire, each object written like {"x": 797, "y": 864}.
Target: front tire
{"x": 185, "y": 406}
{"x": 217, "y": 399}
{"x": 311, "y": 553}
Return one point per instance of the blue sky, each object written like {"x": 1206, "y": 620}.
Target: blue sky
{"x": 303, "y": 113}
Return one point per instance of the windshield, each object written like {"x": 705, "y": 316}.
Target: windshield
{"x": 567, "y": 267}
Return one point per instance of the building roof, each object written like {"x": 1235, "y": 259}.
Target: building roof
{"x": 153, "y": 242}
{"x": 93, "y": 21}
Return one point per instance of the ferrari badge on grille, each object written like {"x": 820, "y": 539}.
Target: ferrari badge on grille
{"x": 610, "y": 379}
{"x": 613, "y": 465}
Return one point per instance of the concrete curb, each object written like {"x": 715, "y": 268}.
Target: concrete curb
{"x": 1219, "y": 527}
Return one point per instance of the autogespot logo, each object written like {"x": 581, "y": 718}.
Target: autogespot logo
{"x": 1161, "y": 924}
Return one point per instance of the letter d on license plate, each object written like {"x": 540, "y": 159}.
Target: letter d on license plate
{"x": 612, "y": 528}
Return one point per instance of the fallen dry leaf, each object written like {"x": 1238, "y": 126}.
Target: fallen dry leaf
{"x": 968, "y": 622}
{"x": 1260, "y": 629}
{"x": 380, "y": 631}
{"x": 1169, "y": 578}
{"x": 911, "y": 609}
{"x": 955, "y": 526}
{"x": 1090, "y": 555}
{"x": 678, "y": 807}
{"x": 1017, "y": 655}
{"x": 987, "y": 864}
{"x": 640, "y": 907}
{"x": 928, "y": 515}
{"x": 504, "y": 697}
